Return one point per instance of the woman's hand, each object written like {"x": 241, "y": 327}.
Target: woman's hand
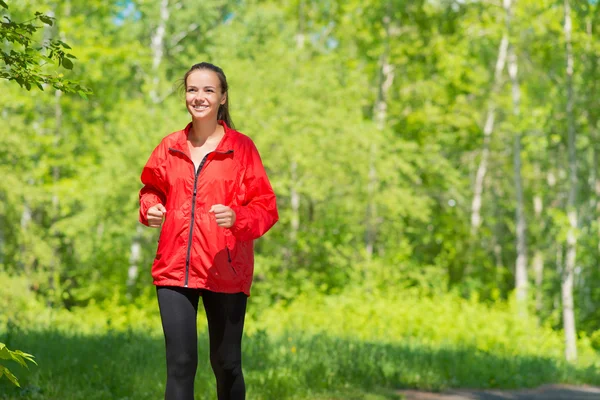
{"x": 225, "y": 216}
{"x": 156, "y": 215}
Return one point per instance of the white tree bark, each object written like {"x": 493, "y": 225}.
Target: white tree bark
{"x": 26, "y": 216}
{"x": 568, "y": 274}
{"x": 58, "y": 116}
{"x": 300, "y": 35}
{"x": 386, "y": 79}
{"x": 294, "y": 203}
{"x": 538, "y": 258}
{"x": 521, "y": 281}
{"x": 3, "y": 223}
{"x": 487, "y": 134}
{"x": 592, "y": 121}
{"x": 294, "y": 183}
{"x": 157, "y": 45}
{"x": 597, "y": 185}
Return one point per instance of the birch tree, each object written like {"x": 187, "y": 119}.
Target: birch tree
{"x": 569, "y": 270}
{"x": 521, "y": 243}
{"x": 157, "y": 46}
{"x": 488, "y": 129}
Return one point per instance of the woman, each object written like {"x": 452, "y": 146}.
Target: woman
{"x": 207, "y": 188}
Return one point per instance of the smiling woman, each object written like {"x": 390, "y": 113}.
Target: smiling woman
{"x": 208, "y": 79}
{"x": 206, "y": 188}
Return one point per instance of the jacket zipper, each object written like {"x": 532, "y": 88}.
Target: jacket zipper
{"x": 191, "y": 235}
{"x": 229, "y": 259}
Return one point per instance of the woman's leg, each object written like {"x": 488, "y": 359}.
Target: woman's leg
{"x": 225, "y": 313}
{"x": 178, "y": 310}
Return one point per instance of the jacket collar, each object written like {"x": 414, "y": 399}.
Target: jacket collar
{"x": 224, "y": 145}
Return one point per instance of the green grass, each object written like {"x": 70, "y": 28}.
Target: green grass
{"x": 353, "y": 346}
{"x": 130, "y": 365}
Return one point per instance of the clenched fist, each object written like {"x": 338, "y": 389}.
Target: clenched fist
{"x": 156, "y": 215}
{"x": 225, "y": 216}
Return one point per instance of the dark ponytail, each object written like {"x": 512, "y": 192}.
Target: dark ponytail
{"x": 223, "y": 113}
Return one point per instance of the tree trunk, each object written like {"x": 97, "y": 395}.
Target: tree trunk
{"x": 592, "y": 123}
{"x": 158, "y": 49}
{"x": 386, "y": 78}
{"x": 294, "y": 195}
{"x": 567, "y": 283}
{"x": 300, "y": 35}
{"x": 55, "y": 278}
{"x": 54, "y": 273}
{"x": 294, "y": 204}
{"x": 26, "y": 216}
{"x": 487, "y": 134}
{"x": 157, "y": 45}
{"x": 3, "y": 223}
{"x": 597, "y": 183}
{"x": 135, "y": 254}
{"x": 521, "y": 281}
{"x": 538, "y": 259}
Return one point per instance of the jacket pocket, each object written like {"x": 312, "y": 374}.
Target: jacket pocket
{"x": 229, "y": 260}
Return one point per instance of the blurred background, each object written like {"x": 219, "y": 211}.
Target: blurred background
{"x": 436, "y": 167}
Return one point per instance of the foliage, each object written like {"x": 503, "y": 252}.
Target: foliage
{"x": 308, "y": 80}
{"x": 17, "y": 356}
{"x": 344, "y": 346}
{"x": 24, "y": 60}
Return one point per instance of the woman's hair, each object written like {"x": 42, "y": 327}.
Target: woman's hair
{"x": 223, "y": 113}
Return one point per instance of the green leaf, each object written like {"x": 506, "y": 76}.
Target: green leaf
{"x": 4, "y": 352}
{"x": 26, "y": 356}
{"x": 9, "y": 375}
{"x": 82, "y": 94}
{"x": 46, "y": 19}
{"x": 64, "y": 45}
{"x": 68, "y": 64}
{"x": 3, "y": 4}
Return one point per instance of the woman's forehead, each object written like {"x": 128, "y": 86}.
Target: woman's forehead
{"x": 203, "y": 77}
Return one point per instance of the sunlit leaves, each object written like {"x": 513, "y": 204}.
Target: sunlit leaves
{"x": 16, "y": 356}
{"x": 26, "y": 59}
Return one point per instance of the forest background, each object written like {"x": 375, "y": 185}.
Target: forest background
{"x": 436, "y": 167}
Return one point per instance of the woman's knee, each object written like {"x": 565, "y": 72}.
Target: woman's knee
{"x": 182, "y": 365}
{"x": 227, "y": 366}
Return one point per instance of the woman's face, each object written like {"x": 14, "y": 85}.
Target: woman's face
{"x": 203, "y": 94}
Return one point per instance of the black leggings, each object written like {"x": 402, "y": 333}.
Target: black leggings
{"x": 225, "y": 314}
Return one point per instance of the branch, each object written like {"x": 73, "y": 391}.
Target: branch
{"x": 182, "y": 35}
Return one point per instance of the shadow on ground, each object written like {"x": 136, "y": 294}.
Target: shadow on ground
{"x": 131, "y": 366}
{"x": 547, "y": 392}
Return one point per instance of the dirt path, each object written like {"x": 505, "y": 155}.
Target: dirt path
{"x": 550, "y": 392}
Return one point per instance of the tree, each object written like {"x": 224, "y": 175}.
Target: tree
{"x": 24, "y": 63}
{"x": 569, "y": 270}
{"x": 24, "y": 60}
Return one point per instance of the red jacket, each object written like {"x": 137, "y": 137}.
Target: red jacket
{"x": 204, "y": 255}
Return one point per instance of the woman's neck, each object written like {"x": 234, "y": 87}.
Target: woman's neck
{"x": 201, "y": 131}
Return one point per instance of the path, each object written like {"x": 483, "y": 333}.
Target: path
{"x": 550, "y": 392}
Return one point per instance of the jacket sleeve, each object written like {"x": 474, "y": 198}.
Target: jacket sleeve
{"x": 259, "y": 211}
{"x": 153, "y": 191}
